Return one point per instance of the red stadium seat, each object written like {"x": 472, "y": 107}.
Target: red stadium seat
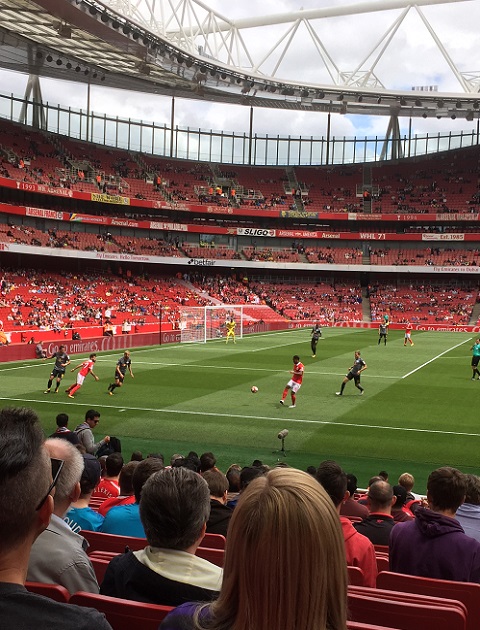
{"x": 466, "y": 592}
{"x": 124, "y": 614}
{"x": 110, "y": 542}
{"x": 213, "y": 541}
{"x": 53, "y": 591}
{"x": 355, "y": 576}
{"x": 412, "y": 612}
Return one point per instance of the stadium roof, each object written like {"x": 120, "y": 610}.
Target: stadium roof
{"x": 137, "y": 46}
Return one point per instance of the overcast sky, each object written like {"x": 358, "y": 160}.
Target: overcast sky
{"x": 412, "y": 59}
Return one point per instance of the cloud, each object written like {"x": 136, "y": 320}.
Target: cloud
{"x": 353, "y": 41}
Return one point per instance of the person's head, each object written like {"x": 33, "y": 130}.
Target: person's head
{"x": 125, "y": 479}
{"x": 333, "y": 479}
{"x": 352, "y": 484}
{"x": 248, "y": 474}
{"x": 407, "y": 481}
{"x": 271, "y": 579}
{"x": 67, "y": 489}
{"x": 473, "y": 490}
{"x": 25, "y": 479}
{"x": 383, "y": 474}
{"x": 92, "y": 418}
{"x": 446, "y": 489}
{"x": 374, "y": 479}
{"x": 233, "y": 476}
{"x": 380, "y": 497}
{"x": 61, "y": 420}
{"x": 114, "y": 464}
{"x": 143, "y": 471}
{"x": 207, "y": 461}
{"x": 136, "y": 456}
{"x": 126, "y": 354}
{"x": 174, "y": 508}
{"x": 157, "y": 456}
{"x": 311, "y": 470}
{"x": 93, "y": 357}
{"x": 62, "y": 349}
{"x": 217, "y": 484}
{"x": 400, "y": 495}
{"x": 357, "y": 354}
{"x": 296, "y": 359}
{"x": 91, "y": 474}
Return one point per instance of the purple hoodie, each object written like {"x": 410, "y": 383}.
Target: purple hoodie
{"x": 434, "y": 546}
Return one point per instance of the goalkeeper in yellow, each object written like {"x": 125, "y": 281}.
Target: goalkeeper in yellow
{"x": 230, "y": 325}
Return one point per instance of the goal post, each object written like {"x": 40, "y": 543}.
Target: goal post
{"x": 199, "y": 324}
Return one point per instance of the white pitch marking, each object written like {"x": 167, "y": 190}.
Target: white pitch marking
{"x": 435, "y": 358}
{"x": 274, "y": 419}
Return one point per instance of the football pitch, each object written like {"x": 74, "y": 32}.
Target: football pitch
{"x": 418, "y": 411}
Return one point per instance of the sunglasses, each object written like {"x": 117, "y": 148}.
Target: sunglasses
{"x": 57, "y": 465}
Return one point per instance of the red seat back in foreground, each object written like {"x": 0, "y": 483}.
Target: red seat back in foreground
{"x": 466, "y": 592}
{"x": 111, "y": 542}
{"x": 53, "y": 591}
{"x": 405, "y": 613}
{"x": 124, "y": 614}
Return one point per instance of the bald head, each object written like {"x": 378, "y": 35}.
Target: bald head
{"x": 71, "y": 472}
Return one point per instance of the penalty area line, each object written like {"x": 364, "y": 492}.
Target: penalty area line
{"x": 244, "y": 417}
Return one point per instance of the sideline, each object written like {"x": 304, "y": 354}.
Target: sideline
{"x": 244, "y": 417}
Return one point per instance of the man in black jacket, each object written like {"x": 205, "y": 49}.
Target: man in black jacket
{"x": 174, "y": 509}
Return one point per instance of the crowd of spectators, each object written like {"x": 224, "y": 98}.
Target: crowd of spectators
{"x": 263, "y": 513}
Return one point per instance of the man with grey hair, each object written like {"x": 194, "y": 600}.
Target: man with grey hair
{"x": 27, "y": 483}
{"x": 58, "y": 555}
{"x": 174, "y": 508}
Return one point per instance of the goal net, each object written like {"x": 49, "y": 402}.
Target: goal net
{"x": 198, "y": 324}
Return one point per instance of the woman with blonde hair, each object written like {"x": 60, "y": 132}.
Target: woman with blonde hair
{"x": 284, "y": 564}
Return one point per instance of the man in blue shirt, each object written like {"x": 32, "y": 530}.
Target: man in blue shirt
{"x": 80, "y": 515}
{"x": 124, "y": 520}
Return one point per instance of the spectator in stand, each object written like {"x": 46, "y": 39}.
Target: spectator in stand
{"x": 363, "y": 500}
{"x": 468, "y": 514}
{"x": 247, "y": 475}
{"x": 58, "y": 555}
{"x": 63, "y": 431}
{"x": 359, "y": 551}
{"x": 270, "y": 579}
{"x": 220, "y": 513}
{"x": 85, "y": 434}
{"x": 174, "y": 509}
{"x": 407, "y": 481}
{"x": 379, "y": 523}
{"x": 126, "y": 495}
{"x": 207, "y": 461}
{"x": 109, "y": 485}
{"x": 124, "y": 520}
{"x": 233, "y": 477}
{"x": 26, "y": 505}
{"x": 80, "y": 515}
{"x": 434, "y": 544}
{"x": 399, "y": 512}
{"x": 351, "y": 507}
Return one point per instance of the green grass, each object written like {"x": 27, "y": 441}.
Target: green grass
{"x": 418, "y": 411}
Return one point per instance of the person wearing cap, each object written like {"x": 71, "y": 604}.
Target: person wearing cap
{"x": 399, "y": 512}
{"x": 80, "y": 516}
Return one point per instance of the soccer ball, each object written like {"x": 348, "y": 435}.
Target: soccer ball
{"x": 254, "y": 389}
